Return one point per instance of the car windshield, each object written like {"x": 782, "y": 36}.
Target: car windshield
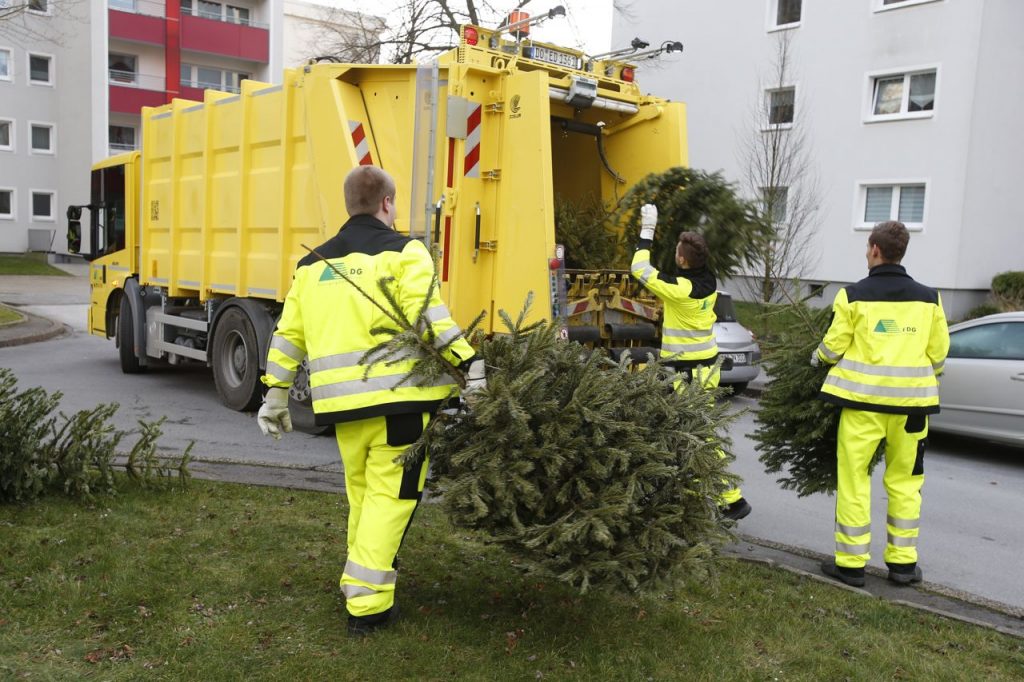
{"x": 724, "y": 309}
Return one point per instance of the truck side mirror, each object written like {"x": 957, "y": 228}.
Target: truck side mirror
{"x": 74, "y": 229}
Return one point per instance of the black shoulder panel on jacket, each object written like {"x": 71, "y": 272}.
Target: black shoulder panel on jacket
{"x": 361, "y": 234}
{"x": 890, "y": 283}
{"x": 702, "y": 280}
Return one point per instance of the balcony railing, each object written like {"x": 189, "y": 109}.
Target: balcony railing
{"x": 132, "y": 79}
{"x": 226, "y": 19}
{"x": 149, "y": 8}
{"x": 121, "y": 147}
{"x": 210, "y": 86}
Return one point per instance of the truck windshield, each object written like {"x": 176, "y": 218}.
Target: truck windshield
{"x": 108, "y": 214}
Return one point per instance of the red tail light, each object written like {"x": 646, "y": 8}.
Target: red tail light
{"x": 628, "y": 73}
{"x": 470, "y": 35}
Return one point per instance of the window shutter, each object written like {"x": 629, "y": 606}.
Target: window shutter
{"x": 878, "y": 204}
{"x": 912, "y": 204}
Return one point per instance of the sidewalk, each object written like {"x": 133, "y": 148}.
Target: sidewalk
{"x": 47, "y": 302}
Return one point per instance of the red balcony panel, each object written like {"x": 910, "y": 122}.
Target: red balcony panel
{"x": 194, "y": 94}
{"x": 223, "y": 38}
{"x": 125, "y": 100}
{"x": 138, "y": 28}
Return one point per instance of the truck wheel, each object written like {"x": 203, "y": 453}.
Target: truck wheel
{"x": 300, "y": 404}
{"x": 236, "y": 363}
{"x": 126, "y": 339}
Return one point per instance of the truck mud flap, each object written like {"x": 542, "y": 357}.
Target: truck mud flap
{"x": 134, "y": 295}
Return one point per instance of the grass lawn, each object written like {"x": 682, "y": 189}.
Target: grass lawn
{"x": 228, "y": 582}
{"x": 28, "y": 264}
{"x": 7, "y": 315}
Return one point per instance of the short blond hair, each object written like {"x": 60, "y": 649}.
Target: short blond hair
{"x": 365, "y": 189}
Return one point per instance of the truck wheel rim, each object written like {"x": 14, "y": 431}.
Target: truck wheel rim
{"x": 236, "y": 353}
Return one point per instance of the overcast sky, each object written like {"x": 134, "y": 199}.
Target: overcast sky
{"x": 586, "y": 26}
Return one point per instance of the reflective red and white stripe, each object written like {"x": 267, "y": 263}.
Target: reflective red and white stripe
{"x": 362, "y": 144}
{"x": 473, "y": 128}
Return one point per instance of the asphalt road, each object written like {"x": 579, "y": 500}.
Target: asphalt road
{"x": 971, "y": 538}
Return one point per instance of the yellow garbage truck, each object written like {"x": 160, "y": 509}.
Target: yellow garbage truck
{"x": 193, "y": 239}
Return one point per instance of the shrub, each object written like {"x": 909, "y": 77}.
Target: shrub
{"x": 1008, "y": 290}
{"x": 982, "y": 310}
{"x": 74, "y": 455}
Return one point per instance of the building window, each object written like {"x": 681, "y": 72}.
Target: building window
{"x": 42, "y": 138}
{"x": 211, "y": 78}
{"x": 217, "y": 11}
{"x": 902, "y": 202}
{"x": 122, "y": 138}
{"x": 883, "y": 5}
{"x": 121, "y": 68}
{"x": 775, "y": 204}
{"x": 41, "y": 6}
{"x": 6, "y": 135}
{"x": 124, "y": 5}
{"x": 237, "y": 15}
{"x": 903, "y": 95}
{"x": 40, "y": 69}
{"x": 784, "y": 13}
{"x": 43, "y": 202}
{"x": 6, "y": 62}
{"x": 781, "y": 106}
{"x": 6, "y": 203}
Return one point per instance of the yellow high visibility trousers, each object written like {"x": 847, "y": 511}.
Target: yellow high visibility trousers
{"x": 860, "y": 432}
{"x": 709, "y": 378}
{"x": 382, "y": 496}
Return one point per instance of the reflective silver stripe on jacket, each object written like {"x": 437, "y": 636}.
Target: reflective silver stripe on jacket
{"x": 336, "y": 361}
{"x": 341, "y": 389}
{"x": 938, "y": 367}
{"x": 353, "y": 591}
{"x": 437, "y": 313}
{"x": 688, "y": 347}
{"x": 280, "y": 373}
{"x": 852, "y": 549}
{"x": 885, "y": 370}
{"x": 369, "y": 575}
{"x": 687, "y": 333}
{"x": 897, "y": 541}
{"x": 905, "y": 524}
{"x": 827, "y": 353}
{"x": 852, "y": 530}
{"x": 645, "y": 270}
{"x": 884, "y": 391}
{"x": 288, "y": 348}
{"x": 446, "y": 336}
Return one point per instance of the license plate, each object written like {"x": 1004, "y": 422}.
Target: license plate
{"x": 737, "y": 358}
{"x": 550, "y": 56}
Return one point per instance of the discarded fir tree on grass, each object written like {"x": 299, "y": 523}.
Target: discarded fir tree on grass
{"x": 583, "y": 470}
{"x": 796, "y": 431}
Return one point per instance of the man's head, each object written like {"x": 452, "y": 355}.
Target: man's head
{"x": 370, "y": 191}
{"x": 691, "y": 251}
{"x": 887, "y": 243}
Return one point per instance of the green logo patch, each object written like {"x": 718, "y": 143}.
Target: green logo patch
{"x": 887, "y": 327}
{"x": 332, "y": 274}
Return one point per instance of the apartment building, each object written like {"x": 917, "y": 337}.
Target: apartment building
{"x": 908, "y": 107}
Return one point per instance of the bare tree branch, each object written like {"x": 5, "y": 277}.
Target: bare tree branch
{"x": 29, "y": 23}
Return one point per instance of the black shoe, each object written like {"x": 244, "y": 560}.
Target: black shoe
{"x": 850, "y": 576}
{"x": 360, "y": 626}
{"x": 739, "y": 509}
{"x": 905, "y": 574}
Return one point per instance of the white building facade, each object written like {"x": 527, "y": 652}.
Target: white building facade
{"x": 908, "y": 107}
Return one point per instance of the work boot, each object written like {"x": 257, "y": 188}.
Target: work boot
{"x": 360, "y": 626}
{"x": 904, "y": 574}
{"x": 850, "y": 576}
{"x": 739, "y": 509}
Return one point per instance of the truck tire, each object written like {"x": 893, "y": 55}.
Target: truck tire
{"x": 236, "y": 363}
{"x": 300, "y": 404}
{"x": 126, "y": 339}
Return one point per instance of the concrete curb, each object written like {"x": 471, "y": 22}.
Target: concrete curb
{"x": 30, "y": 330}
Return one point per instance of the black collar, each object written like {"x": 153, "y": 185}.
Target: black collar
{"x": 888, "y": 269}
{"x": 366, "y": 220}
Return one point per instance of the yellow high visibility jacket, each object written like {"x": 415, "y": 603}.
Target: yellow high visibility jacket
{"x": 688, "y": 330}
{"x": 888, "y": 341}
{"x": 327, "y": 320}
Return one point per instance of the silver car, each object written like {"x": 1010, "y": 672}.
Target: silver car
{"x": 982, "y": 388}
{"x": 736, "y": 343}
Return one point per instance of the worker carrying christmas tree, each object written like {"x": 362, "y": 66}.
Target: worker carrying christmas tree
{"x": 688, "y": 343}
{"x": 887, "y": 343}
{"x": 328, "y": 320}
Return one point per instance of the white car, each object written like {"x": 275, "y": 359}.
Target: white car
{"x": 736, "y": 343}
{"x": 981, "y": 390}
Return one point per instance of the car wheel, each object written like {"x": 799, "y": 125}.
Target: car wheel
{"x": 737, "y": 389}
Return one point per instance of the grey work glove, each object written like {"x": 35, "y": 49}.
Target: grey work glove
{"x": 648, "y": 221}
{"x": 815, "y": 360}
{"x": 273, "y": 417}
{"x": 476, "y": 379}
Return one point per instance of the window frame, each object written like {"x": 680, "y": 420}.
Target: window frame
{"x": 52, "y": 151}
{"x": 135, "y": 136}
{"x": 51, "y": 72}
{"x": 9, "y": 78}
{"x": 13, "y": 128}
{"x": 40, "y": 12}
{"x": 861, "y": 194}
{"x": 13, "y": 215}
{"x": 767, "y": 124}
{"x": 134, "y": 82}
{"x": 771, "y": 19}
{"x": 871, "y": 85}
{"x": 880, "y": 7}
{"x": 784, "y": 220}
{"x": 52, "y": 218}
